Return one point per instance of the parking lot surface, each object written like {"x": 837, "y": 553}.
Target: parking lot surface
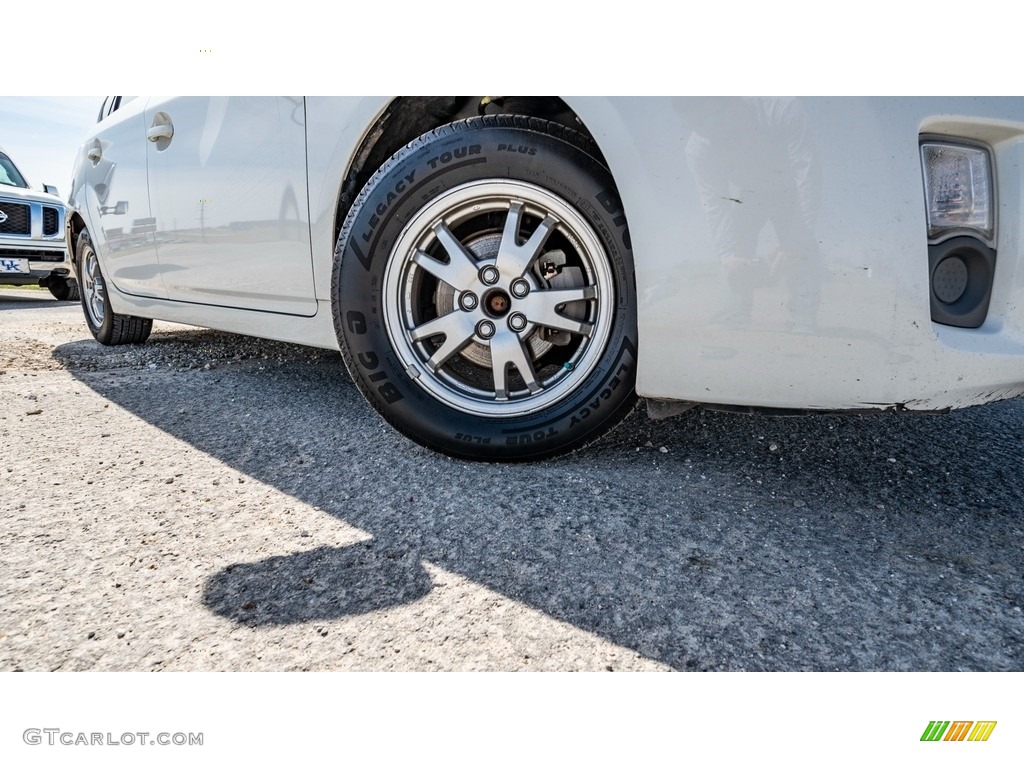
{"x": 209, "y": 501}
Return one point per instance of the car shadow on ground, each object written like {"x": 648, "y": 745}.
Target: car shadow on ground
{"x": 707, "y": 541}
{"x": 317, "y": 584}
{"x": 14, "y": 299}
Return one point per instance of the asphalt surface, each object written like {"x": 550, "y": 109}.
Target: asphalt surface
{"x": 208, "y": 501}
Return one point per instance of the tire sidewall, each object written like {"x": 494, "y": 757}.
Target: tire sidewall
{"x": 104, "y": 331}
{"x": 439, "y": 162}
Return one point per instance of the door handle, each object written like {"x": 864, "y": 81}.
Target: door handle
{"x": 157, "y": 132}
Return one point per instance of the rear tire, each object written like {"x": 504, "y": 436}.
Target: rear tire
{"x": 483, "y": 289}
{"x": 107, "y": 327}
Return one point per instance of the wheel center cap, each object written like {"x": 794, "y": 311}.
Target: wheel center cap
{"x": 497, "y": 303}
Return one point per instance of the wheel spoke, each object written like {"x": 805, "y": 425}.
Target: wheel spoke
{"x": 514, "y": 259}
{"x": 461, "y": 270}
{"x": 467, "y": 306}
{"x": 506, "y": 350}
{"x": 93, "y": 287}
{"x": 457, "y": 327}
{"x": 541, "y": 307}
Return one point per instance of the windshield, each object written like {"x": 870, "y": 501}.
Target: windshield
{"x": 9, "y": 174}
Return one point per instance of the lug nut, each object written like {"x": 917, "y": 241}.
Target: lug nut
{"x": 468, "y": 301}
{"x": 517, "y": 321}
{"x": 489, "y": 275}
{"x": 520, "y": 288}
{"x": 485, "y": 329}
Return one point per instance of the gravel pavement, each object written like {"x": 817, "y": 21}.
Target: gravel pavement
{"x": 209, "y": 501}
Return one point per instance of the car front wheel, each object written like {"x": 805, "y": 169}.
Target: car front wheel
{"x": 484, "y": 298}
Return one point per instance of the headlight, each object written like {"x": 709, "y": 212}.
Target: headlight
{"x": 958, "y": 190}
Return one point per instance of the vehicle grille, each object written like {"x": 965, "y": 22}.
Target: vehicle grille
{"x": 50, "y": 219}
{"x": 19, "y": 221}
{"x": 35, "y": 254}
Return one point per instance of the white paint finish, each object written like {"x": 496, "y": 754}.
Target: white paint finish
{"x": 229, "y": 195}
{"x": 861, "y": 264}
{"x": 314, "y": 331}
{"x": 336, "y": 128}
{"x": 111, "y": 193}
{"x": 840, "y": 320}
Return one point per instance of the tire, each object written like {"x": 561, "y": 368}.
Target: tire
{"x": 107, "y": 326}
{"x": 432, "y": 285}
{"x": 63, "y": 288}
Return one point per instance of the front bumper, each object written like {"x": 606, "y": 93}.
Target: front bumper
{"x": 44, "y": 260}
{"x": 32, "y": 229}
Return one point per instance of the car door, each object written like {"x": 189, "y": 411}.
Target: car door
{"x": 227, "y": 178}
{"x": 117, "y": 192}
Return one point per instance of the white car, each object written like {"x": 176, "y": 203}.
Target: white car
{"x": 32, "y": 247}
{"x": 504, "y": 275}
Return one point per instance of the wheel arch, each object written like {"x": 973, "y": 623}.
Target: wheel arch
{"x": 406, "y": 118}
{"x": 74, "y": 227}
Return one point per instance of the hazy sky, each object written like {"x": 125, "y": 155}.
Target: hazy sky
{"x": 42, "y": 134}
